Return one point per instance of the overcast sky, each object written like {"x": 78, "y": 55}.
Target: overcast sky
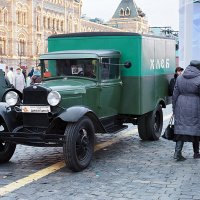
{"x": 158, "y": 12}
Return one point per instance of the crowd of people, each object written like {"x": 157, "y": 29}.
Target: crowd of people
{"x": 185, "y": 91}
{"x": 20, "y": 79}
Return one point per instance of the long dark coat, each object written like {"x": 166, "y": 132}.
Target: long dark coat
{"x": 186, "y": 102}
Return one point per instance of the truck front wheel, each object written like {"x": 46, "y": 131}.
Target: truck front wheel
{"x": 150, "y": 125}
{"x": 7, "y": 149}
{"x": 79, "y": 146}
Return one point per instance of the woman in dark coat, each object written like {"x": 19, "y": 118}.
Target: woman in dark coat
{"x": 186, "y": 109}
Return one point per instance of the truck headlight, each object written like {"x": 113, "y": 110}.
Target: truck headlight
{"x": 53, "y": 98}
{"x": 11, "y": 98}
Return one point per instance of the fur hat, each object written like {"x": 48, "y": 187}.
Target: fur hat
{"x": 178, "y": 69}
{"x": 195, "y": 63}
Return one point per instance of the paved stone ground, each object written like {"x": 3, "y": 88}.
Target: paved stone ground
{"x": 129, "y": 169}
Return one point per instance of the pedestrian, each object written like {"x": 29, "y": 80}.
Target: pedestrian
{"x": 10, "y": 75}
{"x": 24, "y": 73}
{"x": 30, "y": 74}
{"x": 36, "y": 78}
{"x": 186, "y": 110}
{"x": 178, "y": 71}
{"x": 19, "y": 81}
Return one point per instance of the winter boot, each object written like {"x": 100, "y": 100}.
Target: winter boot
{"x": 178, "y": 151}
{"x": 196, "y": 149}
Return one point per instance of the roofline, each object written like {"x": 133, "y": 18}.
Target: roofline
{"x": 74, "y": 54}
{"x": 94, "y": 34}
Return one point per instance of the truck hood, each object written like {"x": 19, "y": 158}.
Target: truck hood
{"x": 75, "y": 86}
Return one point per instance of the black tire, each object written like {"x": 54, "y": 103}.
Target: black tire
{"x": 7, "y": 149}
{"x": 79, "y": 147}
{"x": 142, "y": 128}
{"x": 150, "y": 125}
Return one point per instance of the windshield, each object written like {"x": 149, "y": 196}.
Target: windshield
{"x": 70, "y": 67}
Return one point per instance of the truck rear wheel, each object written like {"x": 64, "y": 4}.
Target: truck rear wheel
{"x": 150, "y": 125}
{"x": 7, "y": 149}
{"x": 79, "y": 146}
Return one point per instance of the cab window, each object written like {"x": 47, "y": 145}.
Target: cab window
{"x": 109, "y": 68}
{"x": 72, "y": 67}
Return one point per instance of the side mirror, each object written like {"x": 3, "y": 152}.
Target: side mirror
{"x": 127, "y": 64}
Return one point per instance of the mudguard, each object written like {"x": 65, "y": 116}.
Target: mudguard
{"x": 73, "y": 114}
{"x": 8, "y": 115}
{"x": 12, "y": 89}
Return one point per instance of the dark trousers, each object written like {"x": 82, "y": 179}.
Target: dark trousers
{"x": 196, "y": 147}
{"x": 179, "y": 147}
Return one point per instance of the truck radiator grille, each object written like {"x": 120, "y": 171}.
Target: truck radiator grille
{"x": 35, "y": 120}
{"x": 35, "y": 96}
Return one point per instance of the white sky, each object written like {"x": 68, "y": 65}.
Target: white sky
{"x": 158, "y": 12}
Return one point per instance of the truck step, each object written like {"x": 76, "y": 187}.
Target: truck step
{"x": 115, "y": 128}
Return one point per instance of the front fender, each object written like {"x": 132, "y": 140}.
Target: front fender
{"x": 73, "y": 114}
{"x": 12, "y": 89}
{"x": 8, "y": 115}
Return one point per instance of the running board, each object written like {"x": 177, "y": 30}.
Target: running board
{"x": 115, "y": 128}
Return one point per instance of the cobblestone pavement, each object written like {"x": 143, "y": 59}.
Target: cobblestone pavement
{"x": 128, "y": 169}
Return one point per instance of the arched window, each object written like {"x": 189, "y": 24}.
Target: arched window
{"x": 45, "y": 22}
{"x": 1, "y": 15}
{"x": 128, "y": 11}
{"x": 57, "y": 25}
{"x": 48, "y": 23}
{"x": 22, "y": 46}
{"x": 38, "y": 23}
{"x": 62, "y": 25}
{"x": 54, "y": 24}
{"x": 23, "y": 18}
{"x": 70, "y": 22}
{"x": 17, "y": 17}
{"x": 2, "y": 45}
{"x": 121, "y": 13}
{"x": 5, "y": 17}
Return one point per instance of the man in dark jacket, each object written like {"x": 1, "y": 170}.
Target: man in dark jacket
{"x": 4, "y": 84}
{"x": 186, "y": 108}
{"x": 178, "y": 71}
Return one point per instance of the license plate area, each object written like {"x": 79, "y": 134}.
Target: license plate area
{"x": 35, "y": 109}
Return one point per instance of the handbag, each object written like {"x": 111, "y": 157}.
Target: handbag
{"x": 169, "y": 131}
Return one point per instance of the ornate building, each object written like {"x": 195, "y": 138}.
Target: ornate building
{"x": 128, "y": 17}
{"x": 26, "y": 24}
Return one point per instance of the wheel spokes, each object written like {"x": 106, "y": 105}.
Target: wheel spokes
{"x": 82, "y": 144}
{"x": 157, "y": 122}
{"x": 2, "y": 146}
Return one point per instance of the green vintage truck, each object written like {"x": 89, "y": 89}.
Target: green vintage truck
{"x": 92, "y": 83}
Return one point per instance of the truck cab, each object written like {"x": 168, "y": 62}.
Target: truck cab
{"x": 89, "y": 78}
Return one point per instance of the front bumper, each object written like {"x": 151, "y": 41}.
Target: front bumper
{"x": 39, "y": 139}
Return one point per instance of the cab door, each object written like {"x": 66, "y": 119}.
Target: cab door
{"x": 110, "y": 87}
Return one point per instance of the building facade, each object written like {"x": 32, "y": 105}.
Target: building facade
{"x": 129, "y": 17}
{"x": 26, "y": 24}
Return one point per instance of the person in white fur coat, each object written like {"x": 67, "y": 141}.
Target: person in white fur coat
{"x": 19, "y": 81}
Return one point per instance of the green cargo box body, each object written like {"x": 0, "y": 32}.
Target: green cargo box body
{"x": 145, "y": 83}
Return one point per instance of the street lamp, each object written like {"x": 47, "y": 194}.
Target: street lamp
{"x": 20, "y": 55}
